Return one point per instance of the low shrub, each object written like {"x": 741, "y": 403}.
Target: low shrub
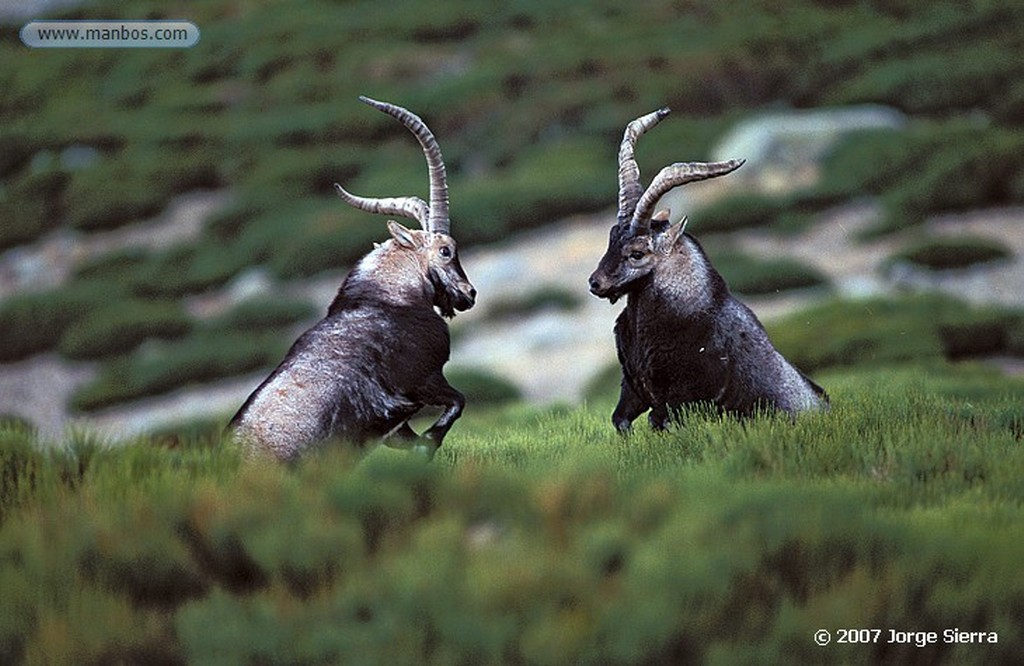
{"x": 544, "y": 297}
{"x": 926, "y": 81}
{"x": 107, "y": 196}
{"x": 540, "y": 537}
{"x": 32, "y": 323}
{"x": 16, "y": 149}
{"x": 119, "y": 327}
{"x": 135, "y": 184}
{"x": 946, "y": 252}
{"x": 161, "y": 367}
{"x": 117, "y": 266}
{"x": 738, "y": 211}
{"x": 927, "y": 169}
{"x": 880, "y": 331}
{"x": 867, "y": 162}
{"x": 262, "y": 313}
{"x": 543, "y": 184}
{"x": 29, "y": 206}
{"x": 482, "y": 387}
{"x": 189, "y": 269}
{"x": 753, "y": 277}
{"x": 321, "y": 235}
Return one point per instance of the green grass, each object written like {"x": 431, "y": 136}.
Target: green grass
{"x": 536, "y": 536}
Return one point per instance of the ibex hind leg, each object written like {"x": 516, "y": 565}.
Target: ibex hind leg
{"x": 402, "y": 437}
{"x": 439, "y": 392}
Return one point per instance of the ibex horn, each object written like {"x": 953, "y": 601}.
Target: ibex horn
{"x": 671, "y": 177}
{"x": 629, "y": 173}
{"x": 433, "y": 216}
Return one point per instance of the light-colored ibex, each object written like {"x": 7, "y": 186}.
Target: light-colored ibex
{"x": 376, "y": 359}
{"x": 683, "y": 338}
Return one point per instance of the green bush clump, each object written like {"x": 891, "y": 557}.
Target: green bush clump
{"x": 112, "y": 267}
{"x": 161, "y": 367}
{"x": 325, "y": 236}
{"x": 927, "y": 169}
{"x": 543, "y": 297}
{"x": 16, "y": 149}
{"x": 787, "y": 213}
{"x": 163, "y": 274}
{"x": 537, "y": 539}
{"x": 121, "y": 326}
{"x": 186, "y": 269}
{"x": 29, "y": 206}
{"x": 97, "y": 198}
{"x": 956, "y": 179}
{"x": 930, "y": 82}
{"x": 739, "y": 211}
{"x": 880, "y": 331}
{"x": 32, "y": 323}
{"x": 482, "y": 386}
{"x": 866, "y": 162}
{"x": 753, "y": 277}
{"x": 262, "y": 313}
{"x": 947, "y": 252}
{"x": 130, "y": 186}
{"x": 542, "y": 185}
{"x": 26, "y": 329}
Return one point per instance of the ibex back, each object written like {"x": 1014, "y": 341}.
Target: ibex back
{"x": 376, "y": 359}
{"x": 683, "y": 337}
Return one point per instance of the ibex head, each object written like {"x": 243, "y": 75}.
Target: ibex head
{"x": 639, "y": 238}
{"x": 431, "y": 247}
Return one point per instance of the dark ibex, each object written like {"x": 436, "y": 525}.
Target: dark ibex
{"x": 376, "y": 359}
{"x": 683, "y": 338}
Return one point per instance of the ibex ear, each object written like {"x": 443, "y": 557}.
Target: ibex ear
{"x": 659, "y": 221}
{"x": 404, "y": 237}
{"x": 672, "y": 235}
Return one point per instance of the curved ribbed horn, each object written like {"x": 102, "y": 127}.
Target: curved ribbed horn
{"x": 629, "y": 173}
{"x": 438, "y": 207}
{"x": 411, "y": 207}
{"x": 671, "y": 177}
{"x": 433, "y": 216}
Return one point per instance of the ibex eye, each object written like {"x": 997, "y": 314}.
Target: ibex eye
{"x": 445, "y": 251}
{"x": 636, "y": 256}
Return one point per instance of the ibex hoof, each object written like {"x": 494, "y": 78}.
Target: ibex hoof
{"x": 425, "y": 449}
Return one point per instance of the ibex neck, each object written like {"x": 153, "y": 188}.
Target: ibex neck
{"x": 685, "y": 282}
{"x": 390, "y": 275}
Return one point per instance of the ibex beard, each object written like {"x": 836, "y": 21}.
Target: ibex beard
{"x": 683, "y": 338}
{"x": 377, "y": 358}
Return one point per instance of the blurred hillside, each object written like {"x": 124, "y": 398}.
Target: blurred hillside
{"x": 167, "y": 217}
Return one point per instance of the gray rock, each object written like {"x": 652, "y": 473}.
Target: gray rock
{"x": 783, "y": 145}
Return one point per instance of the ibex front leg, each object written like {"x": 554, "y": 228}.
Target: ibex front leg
{"x": 630, "y": 406}
{"x": 438, "y": 392}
